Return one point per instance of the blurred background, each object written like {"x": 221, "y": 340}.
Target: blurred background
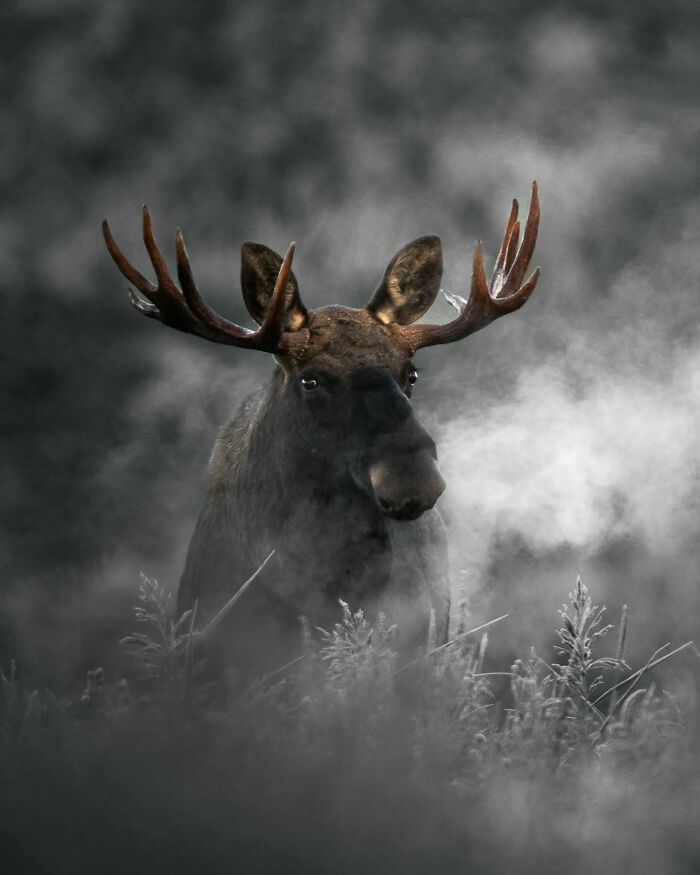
{"x": 568, "y": 433}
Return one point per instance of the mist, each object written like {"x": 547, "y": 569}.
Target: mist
{"x": 590, "y": 464}
{"x": 567, "y": 432}
{"x": 394, "y": 125}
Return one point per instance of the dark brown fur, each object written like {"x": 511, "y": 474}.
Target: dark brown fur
{"x": 289, "y": 473}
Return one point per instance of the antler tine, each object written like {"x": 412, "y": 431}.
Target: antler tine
{"x": 272, "y": 329}
{"x": 144, "y": 307}
{"x": 211, "y": 325}
{"x": 512, "y": 247}
{"x": 504, "y": 295}
{"x": 130, "y": 272}
{"x": 480, "y": 296}
{"x": 502, "y": 266}
{"x": 157, "y": 260}
{"x": 522, "y": 259}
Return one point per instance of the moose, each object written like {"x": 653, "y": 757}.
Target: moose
{"x": 327, "y": 466}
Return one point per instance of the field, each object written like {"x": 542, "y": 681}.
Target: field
{"x": 348, "y": 760}
{"x": 567, "y": 434}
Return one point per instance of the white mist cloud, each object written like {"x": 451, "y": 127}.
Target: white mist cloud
{"x": 559, "y": 467}
{"x": 596, "y": 445}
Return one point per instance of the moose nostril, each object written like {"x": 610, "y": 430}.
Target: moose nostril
{"x": 410, "y": 509}
{"x": 413, "y": 508}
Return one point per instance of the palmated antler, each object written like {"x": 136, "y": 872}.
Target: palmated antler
{"x": 489, "y": 301}
{"x": 186, "y": 310}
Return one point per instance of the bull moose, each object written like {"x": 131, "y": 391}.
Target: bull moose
{"x": 328, "y": 464}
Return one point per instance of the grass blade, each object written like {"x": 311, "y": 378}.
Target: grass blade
{"x": 651, "y": 664}
{"x": 449, "y": 644}
{"x": 228, "y": 607}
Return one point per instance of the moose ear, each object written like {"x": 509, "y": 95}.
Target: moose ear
{"x": 410, "y": 284}
{"x": 259, "y": 268}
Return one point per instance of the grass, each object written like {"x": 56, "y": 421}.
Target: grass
{"x": 345, "y": 758}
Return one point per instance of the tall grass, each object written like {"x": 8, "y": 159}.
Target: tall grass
{"x": 427, "y": 761}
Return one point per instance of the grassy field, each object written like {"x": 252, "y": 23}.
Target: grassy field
{"x": 567, "y": 434}
{"x": 348, "y": 760}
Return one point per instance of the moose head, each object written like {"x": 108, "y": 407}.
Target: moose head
{"x": 346, "y": 374}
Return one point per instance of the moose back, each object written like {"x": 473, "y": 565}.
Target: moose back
{"x": 328, "y": 465}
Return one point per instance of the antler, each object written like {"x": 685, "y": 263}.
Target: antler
{"x": 489, "y": 301}
{"x": 186, "y": 310}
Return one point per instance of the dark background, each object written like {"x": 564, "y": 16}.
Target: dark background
{"x": 568, "y": 432}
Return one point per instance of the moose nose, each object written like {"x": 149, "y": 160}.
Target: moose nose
{"x": 410, "y": 510}
{"x": 405, "y": 488}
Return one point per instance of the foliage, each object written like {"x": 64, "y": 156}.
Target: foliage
{"x": 582, "y": 627}
{"x": 349, "y": 722}
{"x": 357, "y": 654}
{"x": 161, "y": 651}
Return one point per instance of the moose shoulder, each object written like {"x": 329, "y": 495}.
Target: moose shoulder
{"x": 328, "y": 465}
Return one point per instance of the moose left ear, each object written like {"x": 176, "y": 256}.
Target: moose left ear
{"x": 410, "y": 284}
{"x": 259, "y": 268}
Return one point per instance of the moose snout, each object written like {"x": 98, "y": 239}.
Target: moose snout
{"x": 406, "y": 487}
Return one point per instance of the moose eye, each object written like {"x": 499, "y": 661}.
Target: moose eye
{"x": 309, "y": 383}
{"x": 412, "y": 376}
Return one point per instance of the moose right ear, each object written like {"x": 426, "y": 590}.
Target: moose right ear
{"x": 410, "y": 283}
{"x": 259, "y": 268}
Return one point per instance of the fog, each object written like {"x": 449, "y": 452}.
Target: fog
{"x": 591, "y": 461}
{"x": 567, "y": 432}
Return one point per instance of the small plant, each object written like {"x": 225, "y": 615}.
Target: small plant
{"x": 356, "y": 653}
{"x": 165, "y": 651}
{"x": 582, "y": 628}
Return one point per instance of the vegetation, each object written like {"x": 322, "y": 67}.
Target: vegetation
{"x": 346, "y": 757}
{"x": 351, "y": 128}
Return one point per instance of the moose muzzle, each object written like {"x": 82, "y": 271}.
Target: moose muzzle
{"x": 406, "y": 485}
